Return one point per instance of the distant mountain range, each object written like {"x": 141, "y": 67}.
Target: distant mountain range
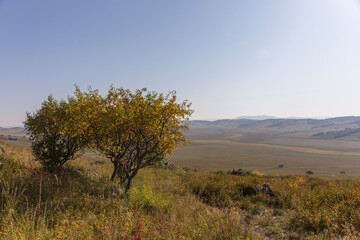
{"x": 12, "y": 131}
{"x": 347, "y": 128}
{"x": 260, "y": 117}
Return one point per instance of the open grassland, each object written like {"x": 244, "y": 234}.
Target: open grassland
{"x": 326, "y": 158}
{"x": 17, "y": 141}
{"x": 217, "y": 155}
{"x": 281, "y": 147}
{"x": 164, "y": 204}
{"x": 213, "y": 149}
{"x": 231, "y": 149}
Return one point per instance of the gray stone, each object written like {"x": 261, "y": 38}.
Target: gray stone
{"x": 116, "y": 191}
{"x": 2, "y": 150}
{"x": 97, "y": 163}
{"x": 237, "y": 172}
{"x": 240, "y": 172}
{"x": 171, "y": 166}
{"x": 91, "y": 174}
{"x": 79, "y": 172}
{"x": 267, "y": 189}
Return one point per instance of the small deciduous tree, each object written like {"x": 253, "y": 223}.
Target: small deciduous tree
{"x": 51, "y": 132}
{"x": 133, "y": 129}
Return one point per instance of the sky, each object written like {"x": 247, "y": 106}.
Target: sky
{"x": 228, "y": 57}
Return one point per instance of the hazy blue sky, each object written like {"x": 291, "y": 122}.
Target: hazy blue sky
{"x": 230, "y": 58}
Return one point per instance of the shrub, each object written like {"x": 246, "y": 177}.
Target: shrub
{"x": 50, "y": 130}
{"x": 329, "y": 206}
{"x": 221, "y": 172}
{"x": 133, "y": 129}
{"x": 8, "y": 164}
{"x": 145, "y": 199}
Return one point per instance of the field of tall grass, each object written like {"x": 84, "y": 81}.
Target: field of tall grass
{"x": 80, "y": 202}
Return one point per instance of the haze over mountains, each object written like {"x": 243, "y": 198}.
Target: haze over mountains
{"x": 345, "y": 128}
{"x": 325, "y": 146}
{"x": 12, "y": 131}
{"x": 259, "y": 117}
{"x": 341, "y": 128}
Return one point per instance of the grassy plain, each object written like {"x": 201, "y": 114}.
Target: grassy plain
{"x": 258, "y": 148}
{"x": 226, "y": 149}
{"x": 214, "y": 148}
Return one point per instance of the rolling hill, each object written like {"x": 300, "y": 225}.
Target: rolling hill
{"x": 15, "y": 131}
{"x": 326, "y": 146}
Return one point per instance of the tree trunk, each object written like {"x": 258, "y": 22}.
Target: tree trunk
{"x": 116, "y": 169}
{"x": 128, "y": 185}
{"x": 129, "y": 180}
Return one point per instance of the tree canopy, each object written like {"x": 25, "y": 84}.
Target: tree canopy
{"x": 52, "y": 134}
{"x": 133, "y": 129}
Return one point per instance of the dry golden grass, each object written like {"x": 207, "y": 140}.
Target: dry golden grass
{"x": 213, "y": 155}
{"x": 23, "y": 155}
{"x": 70, "y": 205}
{"x": 282, "y": 147}
{"x": 166, "y": 204}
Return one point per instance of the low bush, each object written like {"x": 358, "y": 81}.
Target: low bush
{"x": 8, "y": 165}
{"x": 145, "y": 199}
{"x": 316, "y": 205}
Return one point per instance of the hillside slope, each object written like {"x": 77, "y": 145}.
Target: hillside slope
{"x": 166, "y": 204}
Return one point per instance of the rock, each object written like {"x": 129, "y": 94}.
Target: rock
{"x": 91, "y": 174}
{"x": 240, "y": 172}
{"x": 257, "y": 189}
{"x": 79, "y": 172}
{"x": 2, "y": 150}
{"x": 171, "y": 166}
{"x": 267, "y": 190}
{"x": 97, "y": 163}
{"x": 116, "y": 191}
{"x": 87, "y": 173}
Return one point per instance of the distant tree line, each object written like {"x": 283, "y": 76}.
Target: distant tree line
{"x": 338, "y": 134}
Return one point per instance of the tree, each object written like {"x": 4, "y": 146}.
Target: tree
{"x": 51, "y": 132}
{"x": 132, "y": 129}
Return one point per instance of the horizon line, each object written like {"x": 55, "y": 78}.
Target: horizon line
{"x": 238, "y": 118}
